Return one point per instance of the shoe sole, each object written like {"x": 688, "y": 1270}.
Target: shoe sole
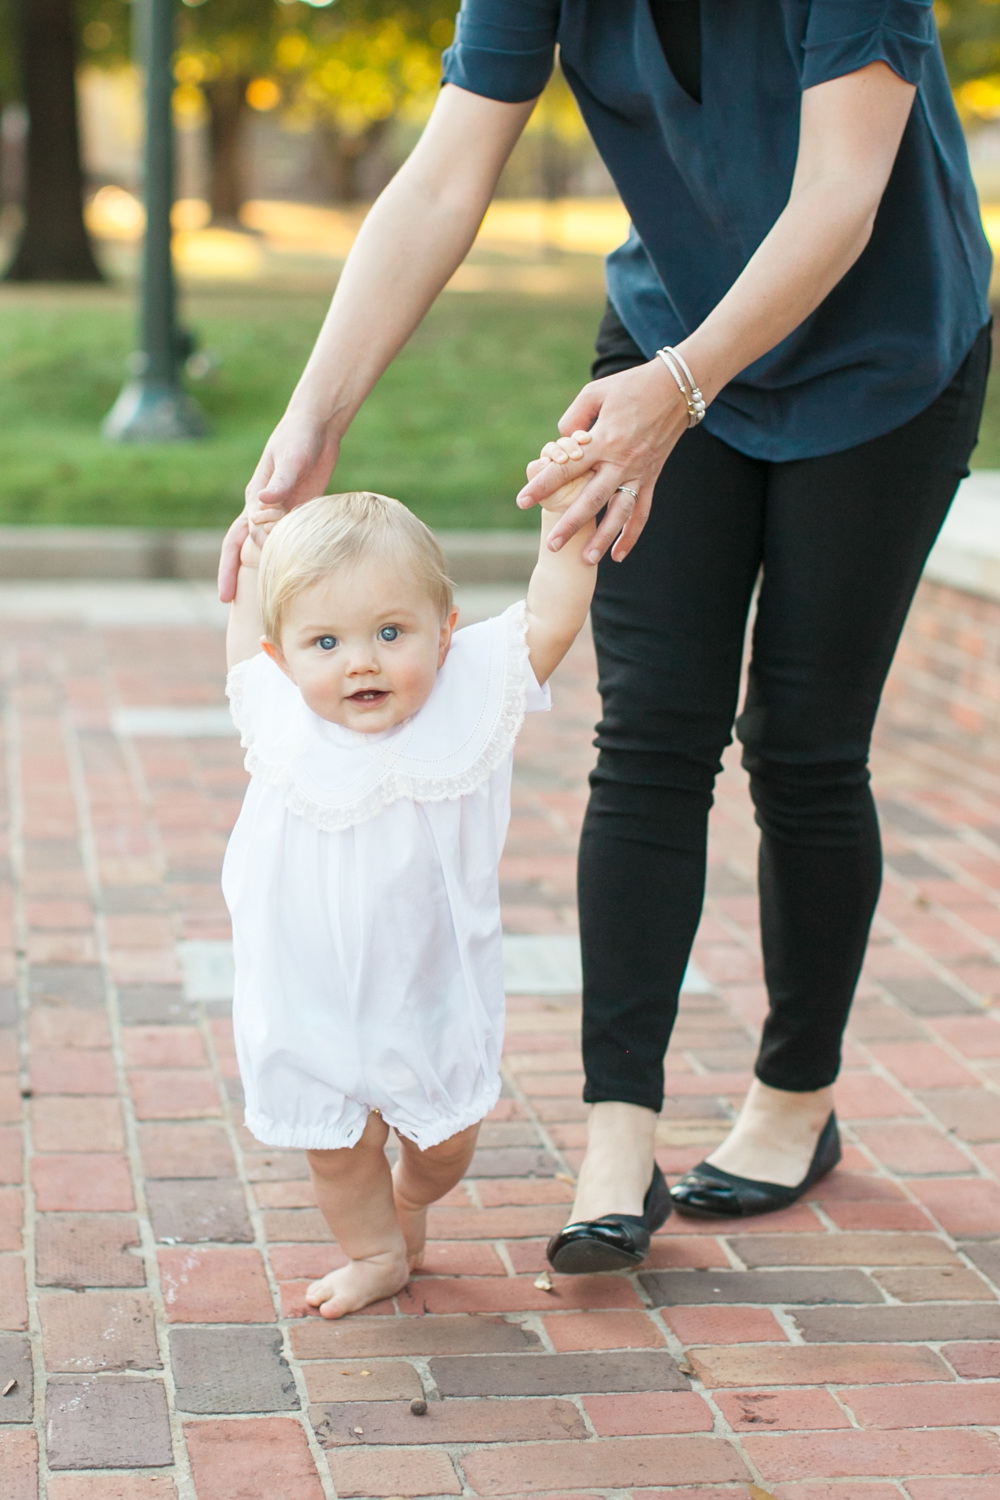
{"x": 583, "y": 1257}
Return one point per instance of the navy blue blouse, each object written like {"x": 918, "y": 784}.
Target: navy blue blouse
{"x": 704, "y": 182}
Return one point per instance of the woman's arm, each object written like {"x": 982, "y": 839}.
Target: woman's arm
{"x": 850, "y": 132}
{"x": 416, "y": 235}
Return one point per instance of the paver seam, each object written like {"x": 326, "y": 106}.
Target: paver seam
{"x": 15, "y": 802}
{"x": 182, "y": 1470}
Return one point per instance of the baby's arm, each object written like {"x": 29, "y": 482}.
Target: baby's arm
{"x": 561, "y": 586}
{"x": 245, "y": 626}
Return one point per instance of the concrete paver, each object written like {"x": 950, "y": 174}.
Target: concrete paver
{"x": 153, "y": 1255}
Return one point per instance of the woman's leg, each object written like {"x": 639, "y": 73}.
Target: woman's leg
{"x": 668, "y": 625}
{"x": 845, "y": 541}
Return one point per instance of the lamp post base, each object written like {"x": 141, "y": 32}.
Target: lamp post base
{"x": 149, "y": 411}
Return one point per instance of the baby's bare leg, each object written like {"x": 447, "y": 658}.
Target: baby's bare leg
{"x": 421, "y": 1177}
{"x": 353, "y": 1188}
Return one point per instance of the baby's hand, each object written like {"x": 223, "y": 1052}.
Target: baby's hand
{"x": 565, "y": 494}
{"x": 263, "y": 522}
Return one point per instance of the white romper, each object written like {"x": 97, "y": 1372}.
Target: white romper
{"x": 362, "y": 880}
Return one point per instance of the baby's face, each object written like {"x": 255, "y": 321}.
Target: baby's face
{"x": 364, "y": 646}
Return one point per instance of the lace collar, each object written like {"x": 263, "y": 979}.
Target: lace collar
{"x": 336, "y": 778}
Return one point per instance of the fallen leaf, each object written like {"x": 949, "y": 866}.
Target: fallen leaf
{"x": 756, "y": 1493}
{"x": 566, "y": 1177}
{"x": 10, "y": 1386}
{"x": 686, "y": 1369}
{"x": 366, "y": 1372}
{"x": 544, "y": 1282}
{"x": 359, "y": 1430}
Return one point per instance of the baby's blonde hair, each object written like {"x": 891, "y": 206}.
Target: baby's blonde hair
{"x": 336, "y": 531}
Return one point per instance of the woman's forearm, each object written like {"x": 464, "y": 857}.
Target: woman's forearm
{"x": 850, "y": 134}
{"x": 416, "y": 235}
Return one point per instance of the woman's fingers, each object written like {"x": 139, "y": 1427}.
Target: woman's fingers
{"x": 621, "y": 526}
{"x": 229, "y": 562}
{"x": 582, "y": 413}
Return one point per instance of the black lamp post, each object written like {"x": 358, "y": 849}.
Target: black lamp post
{"x": 153, "y": 406}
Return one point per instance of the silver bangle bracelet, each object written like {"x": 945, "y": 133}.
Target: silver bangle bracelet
{"x": 693, "y": 399}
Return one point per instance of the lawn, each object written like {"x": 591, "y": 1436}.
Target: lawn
{"x": 448, "y": 429}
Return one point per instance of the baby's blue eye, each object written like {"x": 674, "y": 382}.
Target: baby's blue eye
{"x": 327, "y": 642}
{"x": 388, "y": 633}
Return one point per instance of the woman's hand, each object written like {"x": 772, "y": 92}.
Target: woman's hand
{"x": 295, "y": 466}
{"x": 623, "y": 428}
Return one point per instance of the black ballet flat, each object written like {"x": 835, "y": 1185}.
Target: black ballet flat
{"x": 707, "y": 1192}
{"x": 615, "y": 1242}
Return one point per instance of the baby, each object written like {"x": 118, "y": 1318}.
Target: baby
{"x": 362, "y": 873}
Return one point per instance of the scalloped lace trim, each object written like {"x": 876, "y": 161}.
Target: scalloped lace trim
{"x": 394, "y": 786}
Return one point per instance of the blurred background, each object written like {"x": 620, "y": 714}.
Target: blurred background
{"x": 289, "y": 119}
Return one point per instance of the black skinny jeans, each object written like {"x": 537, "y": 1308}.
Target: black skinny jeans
{"x": 840, "y": 542}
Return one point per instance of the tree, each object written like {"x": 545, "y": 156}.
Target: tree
{"x": 346, "y": 70}
{"x": 54, "y": 245}
{"x": 970, "y": 40}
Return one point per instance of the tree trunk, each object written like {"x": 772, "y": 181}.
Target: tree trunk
{"x": 227, "y": 106}
{"x": 342, "y": 157}
{"x": 54, "y": 244}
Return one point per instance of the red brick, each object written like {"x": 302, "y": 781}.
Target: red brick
{"x": 229, "y": 1459}
{"x": 62, "y": 948}
{"x": 973, "y": 1036}
{"x": 962, "y": 1206}
{"x": 9, "y": 1055}
{"x": 844, "y": 1250}
{"x": 289, "y": 1194}
{"x": 111, "y": 1487}
{"x": 810, "y": 1491}
{"x": 378, "y": 1380}
{"x": 361, "y": 1337}
{"x": 62, "y": 1122}
{"x": 802, "y": 1364}
{"x": 921, "y": 1065}
{"x": 909, "y": 1406}
{"x": 934, "y": 1284}
{"x": 163, "y": 1047}
{"x": 916, "y": 1149}
{"x": 843, "y": 1454}
{"x": 92, "y": 1181}
{"x": 13, "y": 1301}
{"x": 603, "y": 1330}
{"x": 64, "y": 1026}
{"x": 170, "y": 1150}
{"x": 468, "y": 1421}
{"x": 145, "y": 966}
{"x": 11, "y": 1212}
{"x": 877, "y": 1216}
{"x": 494, "y": 1223}
{"x": 65, "y": 1070}
{"x": 514, "y": 1294}
{"x": 808, "y": 1409}
{"x": 618, "y": 1463}
{"x": 139, "y": 931}
{"x": 459, "y": 1258}
{"x": 974, "y": 1361}
{"x": 861, "y": 1096}
{"x": 648, "y": 1413}
{"x": 215, "y": 1286}
{"x": 398, "y": 1471}
{"x": 11, "y": 1155}
{"x": 174, "y": 1094}
{"x": 293, "y": 1262}
{"x": 725, "y": 1325}
{"x": 10, "y": 1099}
{"x": 496, "y": 1192}
{"x": 688, "y": 1252}
{"x": 952, "y": 1489}
{"x": 18, "y": 1465}
{"x": 60, "y": 914}
{"x": 101, "y": 1331}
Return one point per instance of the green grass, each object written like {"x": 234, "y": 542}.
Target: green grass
{"x": 449, "y": 428}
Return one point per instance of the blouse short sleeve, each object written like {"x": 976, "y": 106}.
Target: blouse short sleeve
{"x": 503, "y": 49}
{"x": 845, "y": 35}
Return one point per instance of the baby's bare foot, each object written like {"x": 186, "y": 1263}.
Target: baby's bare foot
{"x": 358, "y": 1283}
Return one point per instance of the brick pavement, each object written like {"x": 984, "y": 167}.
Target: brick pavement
{"x": 153, "y": 1255}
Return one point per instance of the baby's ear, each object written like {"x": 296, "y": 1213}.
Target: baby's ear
{"x": 447, "y": 629}
{"x": 274, "y": 651}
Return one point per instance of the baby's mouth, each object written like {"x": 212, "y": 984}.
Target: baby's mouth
{"x": 368, "y": 696}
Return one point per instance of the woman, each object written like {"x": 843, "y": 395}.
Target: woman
{"x": 807, "y": 252}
